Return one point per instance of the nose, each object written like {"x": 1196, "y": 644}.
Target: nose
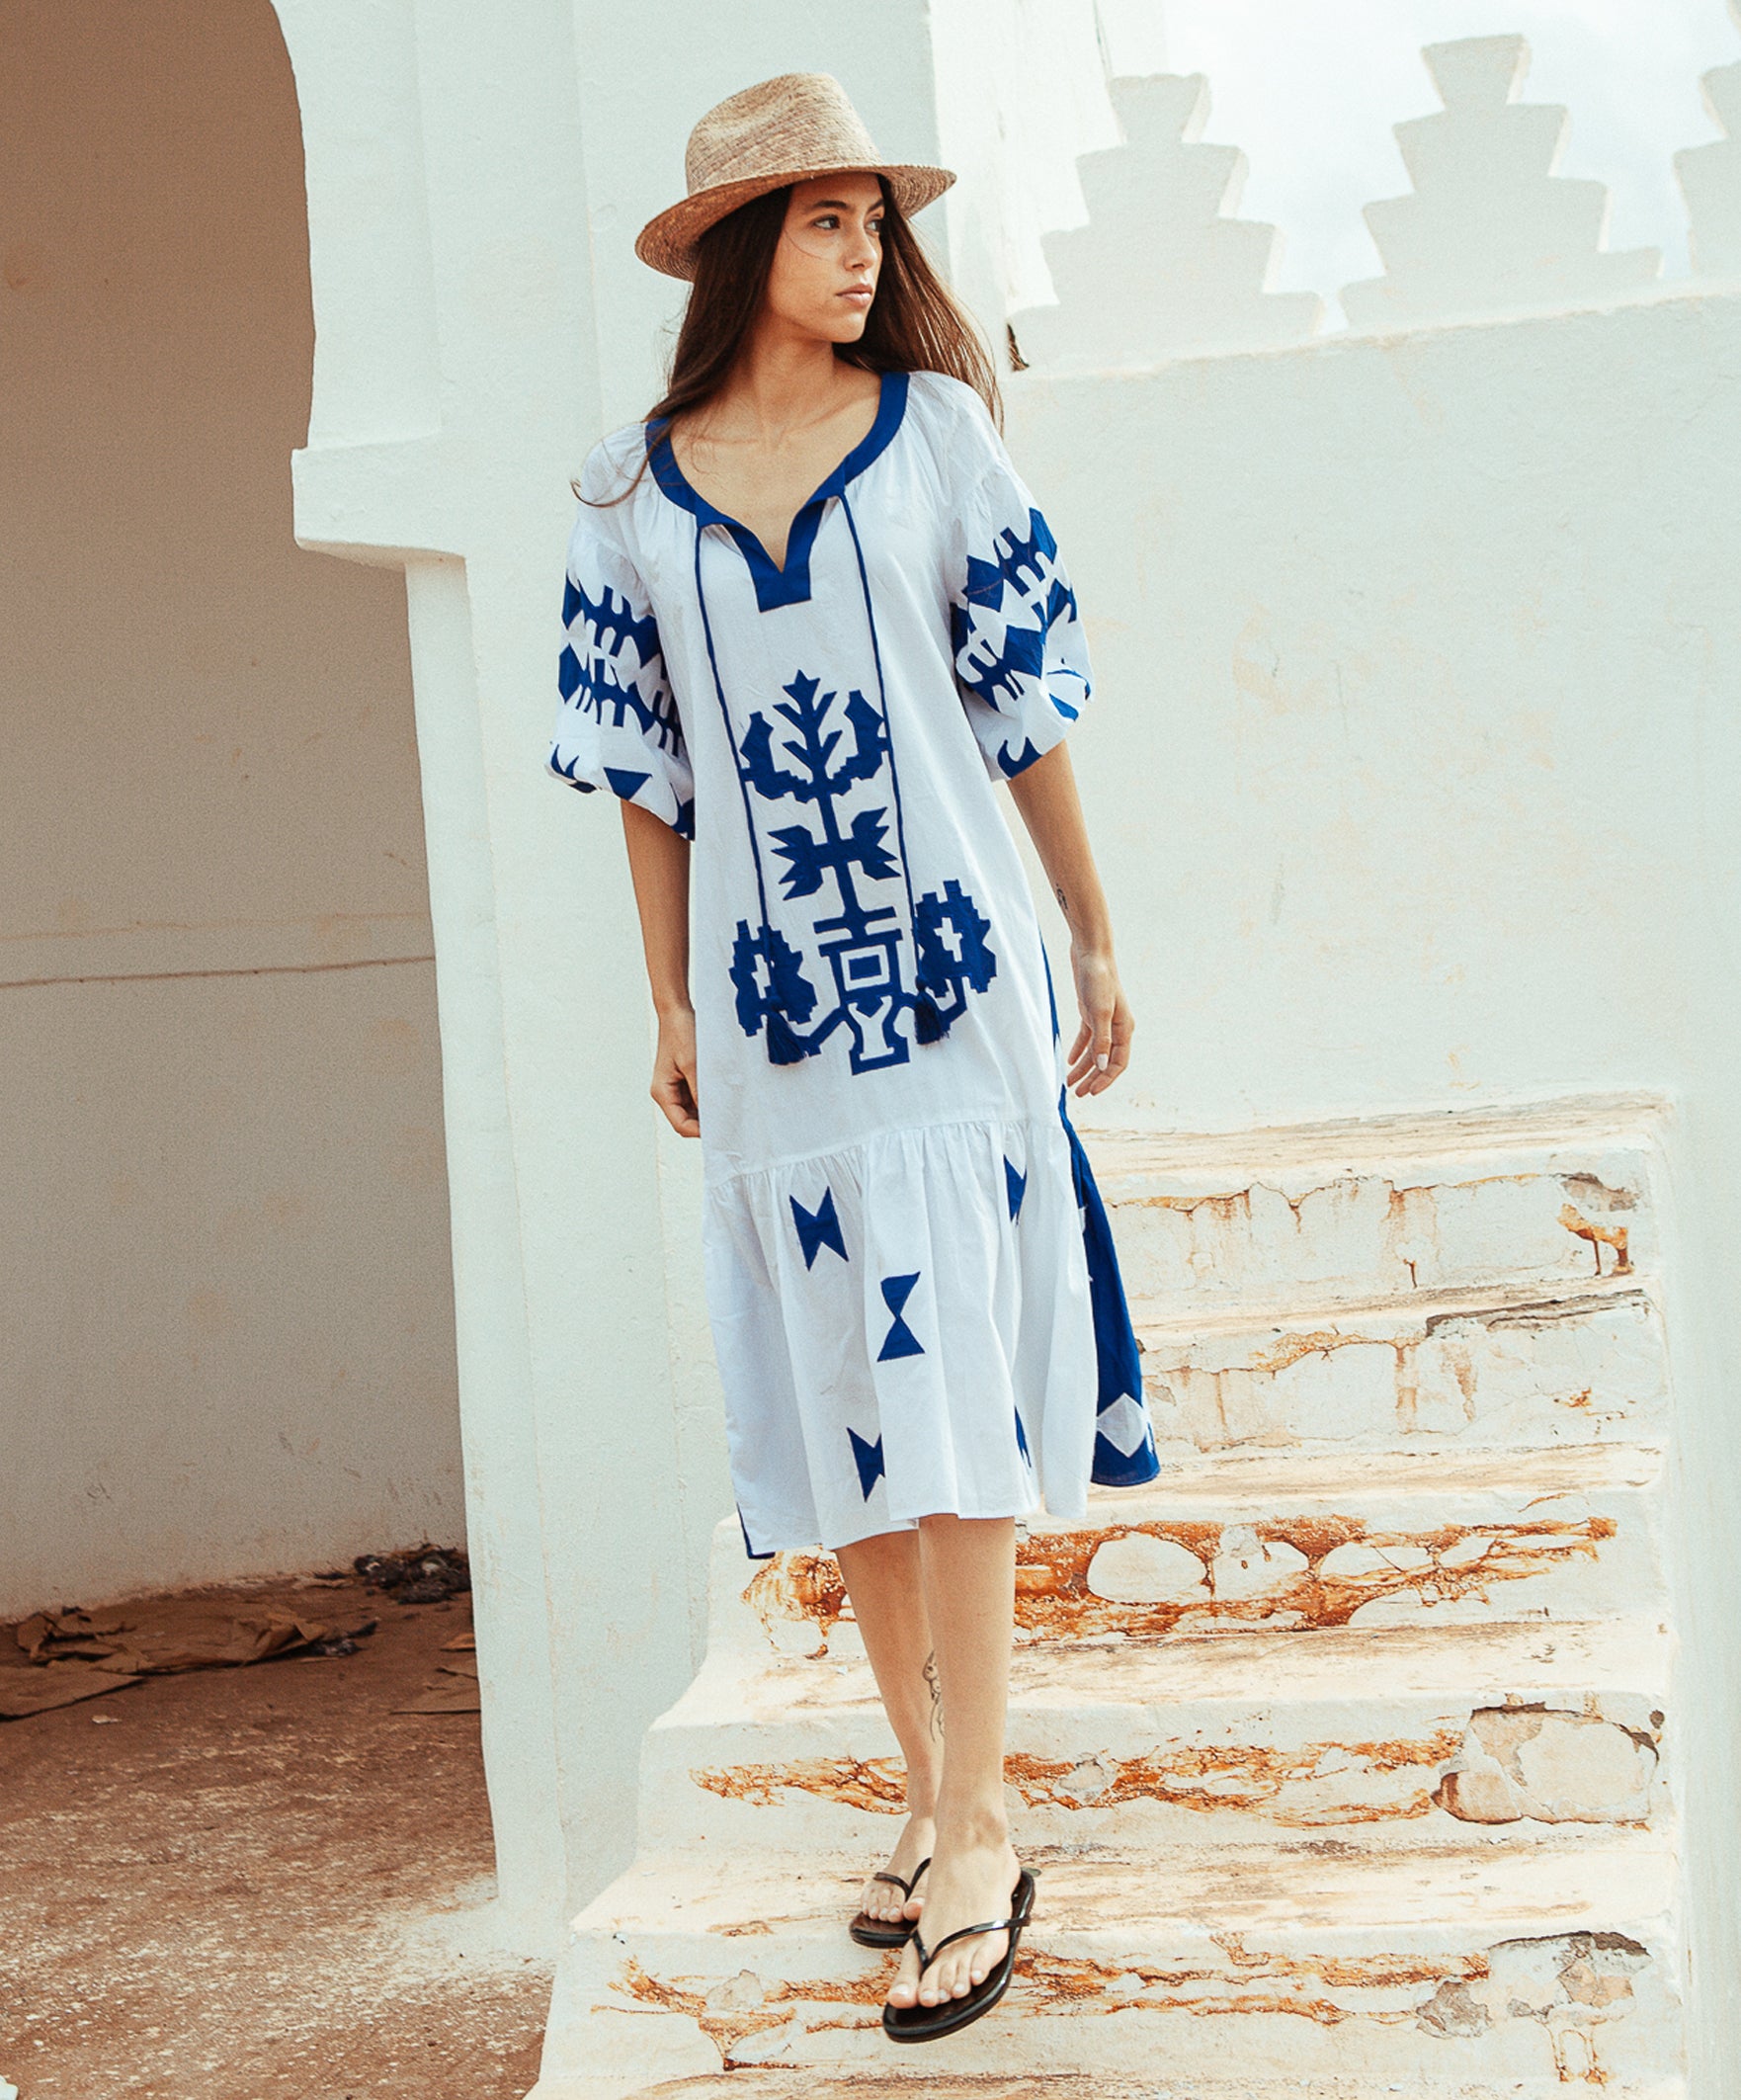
{"x": 862, "y": 250}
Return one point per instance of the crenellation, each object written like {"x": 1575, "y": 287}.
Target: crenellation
{"x": 1491, "y": 227}
{"x": 1163, "y": 268}
{"x": 1710, "y": 175}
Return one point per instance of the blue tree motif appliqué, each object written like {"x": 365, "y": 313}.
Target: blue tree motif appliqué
{"x": 829, "y": 747}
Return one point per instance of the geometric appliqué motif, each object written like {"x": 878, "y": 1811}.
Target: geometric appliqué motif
{"x": 868, "y": 1460}
{"x": 1016, "y": 635}
{"x": 900, "y": 1339}
{"x": 817, "y": 1228}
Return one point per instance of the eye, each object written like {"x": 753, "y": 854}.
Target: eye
{"x": 829, "y": 220}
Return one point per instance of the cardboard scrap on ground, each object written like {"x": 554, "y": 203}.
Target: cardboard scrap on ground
{"x": 53, "y": 1658}
{"x": 61, "y": 1684}
{"x": 454, "y": 1691}
{"x": 447, "y": 1695}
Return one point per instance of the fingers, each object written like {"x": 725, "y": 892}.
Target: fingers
{"x": 674, "y": 1090}
{"x": 1101, "y": 1050}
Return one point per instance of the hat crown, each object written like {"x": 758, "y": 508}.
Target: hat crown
{"x": 794, "y": 120}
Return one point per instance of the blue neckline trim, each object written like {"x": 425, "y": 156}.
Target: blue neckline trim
{"x": 791, "y": 584}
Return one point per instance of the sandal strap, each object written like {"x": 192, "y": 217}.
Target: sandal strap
{"x": 967, "y": 1932}
{"x": 906, "y": 1887}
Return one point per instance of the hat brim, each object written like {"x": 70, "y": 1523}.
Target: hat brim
{"x": 668, "y": 243}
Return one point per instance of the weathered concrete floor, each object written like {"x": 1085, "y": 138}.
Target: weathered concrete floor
{"x": 260, "y": 1884}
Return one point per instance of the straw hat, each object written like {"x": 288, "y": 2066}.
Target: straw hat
{"x": 781, "y": 131}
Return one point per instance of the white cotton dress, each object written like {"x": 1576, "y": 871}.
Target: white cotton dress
{"x": 899, "y": 1226}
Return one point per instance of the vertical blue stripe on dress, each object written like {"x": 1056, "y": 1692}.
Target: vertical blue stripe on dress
{"x": 1119, "y": 1366}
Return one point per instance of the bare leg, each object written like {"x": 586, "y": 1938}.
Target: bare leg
{"x": 967, "y": 1568}
{"x": 883, "y": 1579}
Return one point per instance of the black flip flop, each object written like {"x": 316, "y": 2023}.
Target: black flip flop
{"x": 924, "y": 2023}
{"x": 879, "y": 1932}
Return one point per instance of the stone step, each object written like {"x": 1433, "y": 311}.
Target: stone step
{"x": 1538, "y": 1734}
{"x": 1286, "y": 1547}
{"x": 1504, "y": 1370}
{"x": 769, "y": 2085}
{"x": 1441, "y": 1973}
{"x": 1270, "y": 1222}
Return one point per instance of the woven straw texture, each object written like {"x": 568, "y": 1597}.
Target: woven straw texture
{"x": 781, "y": 130}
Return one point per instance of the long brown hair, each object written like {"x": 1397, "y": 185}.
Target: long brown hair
{"x": 915, "y": 323}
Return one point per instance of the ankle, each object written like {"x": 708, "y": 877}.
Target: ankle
{"x": 980, "y": 1826}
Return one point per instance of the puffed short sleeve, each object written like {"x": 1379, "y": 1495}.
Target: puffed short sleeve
{"x": 618, "y": 725}
{"x": 1021, "y": 657}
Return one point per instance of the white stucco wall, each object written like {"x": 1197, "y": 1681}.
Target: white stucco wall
{"x": 226, "y": 1300}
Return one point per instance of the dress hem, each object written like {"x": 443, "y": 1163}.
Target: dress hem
{"x": 885, "y": 1527}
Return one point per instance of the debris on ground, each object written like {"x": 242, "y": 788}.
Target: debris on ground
{"x": 426, "y": 1574}
{"x": 54, "y": 1658}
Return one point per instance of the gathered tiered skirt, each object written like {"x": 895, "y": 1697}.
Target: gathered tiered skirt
{"x": 904, "y": 1326}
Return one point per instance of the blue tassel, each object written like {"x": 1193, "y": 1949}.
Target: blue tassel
{"x": 927, "y": 1021}
{"x": 783, "y": 1045}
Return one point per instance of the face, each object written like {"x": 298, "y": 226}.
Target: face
{"x": 828, "y": 256}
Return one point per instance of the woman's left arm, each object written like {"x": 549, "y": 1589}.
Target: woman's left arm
{"x": 1045, "y": 793}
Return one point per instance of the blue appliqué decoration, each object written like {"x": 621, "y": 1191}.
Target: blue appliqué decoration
{"x": 1124, "y": 1454}
{"x": 817, "y": 1228}
{"x": 1001, "y": 628}
{"x": 900, "y": 1339}
{"x": 1022, "y": 1437}
{"x": 597, "y": 682}
{"x": 828, "y": 748}
{"x": 868, "y": 1458}
{"x": 612, "y": 668}
{"x": 1015, "y": 1188}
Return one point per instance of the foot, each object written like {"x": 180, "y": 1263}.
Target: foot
{"x": 964, "y": 1884}
{"x": 882, "y": 1900}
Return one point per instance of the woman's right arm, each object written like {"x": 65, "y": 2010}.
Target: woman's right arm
{"x": 658, "y": 865}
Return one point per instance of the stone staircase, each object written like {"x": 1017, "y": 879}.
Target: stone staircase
{"x": 1338, "y": 1750}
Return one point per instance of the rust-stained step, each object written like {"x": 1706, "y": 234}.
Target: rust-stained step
{"x": 1435, "y": 1973}
{"x": 1197, "y": 1236}
{"x": 1514, "y": 1370}
{"x": 1538, "y": 1734}
{"x": 764, "y": 2083}
{"x": 1291, "y": 1547}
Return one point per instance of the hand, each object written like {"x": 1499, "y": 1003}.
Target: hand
{"x": 674, "y": 1072}
{"x": 1102, "y": 1049}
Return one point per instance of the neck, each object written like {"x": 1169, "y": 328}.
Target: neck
{"x": 784, "y": 379}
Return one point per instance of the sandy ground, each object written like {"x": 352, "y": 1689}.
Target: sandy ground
{"x": 261, "y": 1884}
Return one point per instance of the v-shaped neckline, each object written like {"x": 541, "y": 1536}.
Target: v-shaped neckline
{"x": 790, "y": 584}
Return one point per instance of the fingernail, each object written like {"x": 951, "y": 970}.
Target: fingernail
{"x": 1102, "y": 1062}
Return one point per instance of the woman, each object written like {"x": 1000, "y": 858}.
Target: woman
{"x": 812, "y": 618}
